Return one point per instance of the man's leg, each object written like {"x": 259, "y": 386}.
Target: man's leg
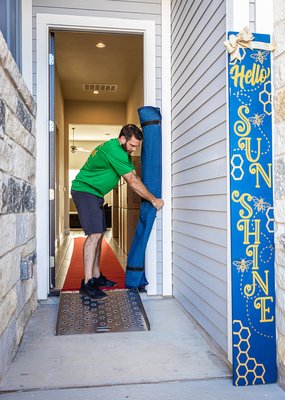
{"x": 89, "y": 209}
{"x": 92, "y": 254}
{"x": 100, "y": 280}
{"x": 91, "y": 249}
{"x": 96, "y": 264}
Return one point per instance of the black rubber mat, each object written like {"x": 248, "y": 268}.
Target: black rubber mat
{"x": 121, "y": 311}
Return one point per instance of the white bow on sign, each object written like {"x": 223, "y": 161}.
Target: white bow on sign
{"x": 244, "y": 39}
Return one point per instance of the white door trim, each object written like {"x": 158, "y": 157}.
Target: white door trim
{"x": 44, "y": 22}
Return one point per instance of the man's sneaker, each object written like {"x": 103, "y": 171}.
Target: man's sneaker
{"x": 103, "y": 281}
{"x": 91, "y": 290}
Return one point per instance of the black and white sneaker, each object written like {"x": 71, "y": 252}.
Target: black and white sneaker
{"x": 91, "y": 290}
{"x": 103, "y": 281}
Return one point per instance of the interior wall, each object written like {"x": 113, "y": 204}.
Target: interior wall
{"x": 77, "y": 159}
{"x": 135, "y": 100}
{"x": 93, "y": 112}
{"x": 60, "y": 164}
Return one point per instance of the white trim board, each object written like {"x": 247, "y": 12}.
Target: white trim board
{"x": 44, "y": 22}
{"x": 264, "y": 16}
{"x": 27, "y": 40}
{"x": 238, "y": 14}
{"x": 166, "y": 149}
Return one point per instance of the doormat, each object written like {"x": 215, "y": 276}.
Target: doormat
{"x": 121, "y": 311}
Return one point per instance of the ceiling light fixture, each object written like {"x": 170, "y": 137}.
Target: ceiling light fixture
{"x": 96, "y": 92}
{"x": 73, "y": 148}
{"x": 100, "y": 45}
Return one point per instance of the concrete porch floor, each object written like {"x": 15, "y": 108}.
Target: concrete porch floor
{"x": 173, "y": 360}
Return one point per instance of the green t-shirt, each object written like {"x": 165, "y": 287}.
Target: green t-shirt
{"x": 103, "y": 169}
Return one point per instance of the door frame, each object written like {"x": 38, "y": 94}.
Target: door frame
{"x": 45, "y": 22}
{"x": 52, "y": 164}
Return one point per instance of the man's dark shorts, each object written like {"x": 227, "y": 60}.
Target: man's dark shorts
{"x": 90, "y": 212}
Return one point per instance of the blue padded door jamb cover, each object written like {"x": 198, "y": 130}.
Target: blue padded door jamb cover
{"x": 150, "y": 119}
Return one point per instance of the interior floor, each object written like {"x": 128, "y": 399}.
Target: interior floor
{"x": 64, "y": 252}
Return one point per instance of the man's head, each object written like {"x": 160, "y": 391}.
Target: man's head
{"x": 130, "y": 137}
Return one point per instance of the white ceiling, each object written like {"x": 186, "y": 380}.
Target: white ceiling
{"x": 94, "y": 132}
{"x": 79, "y": 61}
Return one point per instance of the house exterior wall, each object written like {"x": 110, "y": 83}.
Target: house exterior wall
{"x": 279, "y": 133}
{"x": 199, "y": 163}
{"x": 199, "y": 166}
{"x": 18, "y": 298}
{"x": 138, "y": 10}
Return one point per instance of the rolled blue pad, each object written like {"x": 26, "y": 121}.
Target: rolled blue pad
{"x": 150, "y": 119}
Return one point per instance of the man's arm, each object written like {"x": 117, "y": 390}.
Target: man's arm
{"x": 137, "y": 186}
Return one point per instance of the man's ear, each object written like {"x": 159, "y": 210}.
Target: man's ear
{"x": 123, "y": 140}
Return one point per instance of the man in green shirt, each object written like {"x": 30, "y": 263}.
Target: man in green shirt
{"x": 98, "y": 176}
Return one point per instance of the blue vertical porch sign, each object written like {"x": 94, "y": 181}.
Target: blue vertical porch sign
{"x": 251, "y": 204}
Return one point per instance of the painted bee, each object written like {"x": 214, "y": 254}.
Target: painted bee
{"x": 260, "y": 56}
{"x": 260, "y": 204}
{"x": 242, "y": 265}
{"x": 257, "y": 119}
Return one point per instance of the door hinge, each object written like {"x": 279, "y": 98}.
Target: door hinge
{"x": 51, "y": 126}
{"x": 51, "y": 59}
{"x": 51, "y": 194}
{"x": 51, "y": 262}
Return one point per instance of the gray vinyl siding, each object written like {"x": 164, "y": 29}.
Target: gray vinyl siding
{"x": 199, "y": 162}
{"x": 123, "y": 9}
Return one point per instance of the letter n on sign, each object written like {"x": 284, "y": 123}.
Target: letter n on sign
{"x": 251, "y": 200}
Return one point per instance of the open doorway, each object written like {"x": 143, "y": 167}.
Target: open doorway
{"x": 97, "y": 90}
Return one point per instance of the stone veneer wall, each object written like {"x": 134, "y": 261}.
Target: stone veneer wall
{"x": 279, "y": 125}
{"x": 18, "y": 298}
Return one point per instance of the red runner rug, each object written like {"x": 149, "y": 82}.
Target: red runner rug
{"x": 110, "y": 266}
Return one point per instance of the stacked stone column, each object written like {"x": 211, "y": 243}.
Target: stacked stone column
{"x": 18, "y": 297}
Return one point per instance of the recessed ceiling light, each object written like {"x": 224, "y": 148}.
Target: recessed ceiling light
{"x": 96, "y": 92}
{"x": 100, "y": 45}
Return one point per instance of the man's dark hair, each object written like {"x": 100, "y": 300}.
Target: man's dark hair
{"x": 131, "y": 130}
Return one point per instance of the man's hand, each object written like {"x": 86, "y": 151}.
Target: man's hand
{"x": 157, "y": 203}
{"x": 136, "y": 184}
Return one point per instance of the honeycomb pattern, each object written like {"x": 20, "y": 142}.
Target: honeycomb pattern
{"x": 270, "y": 220}
{"x": 237, "y": 171}
{"x": 265, "y": 98}
{"x": 248, "y": 370}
